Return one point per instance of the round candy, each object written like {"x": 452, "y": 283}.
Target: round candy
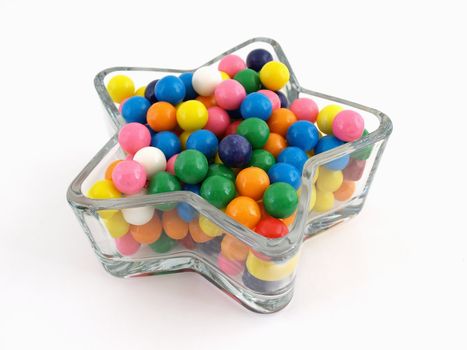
{"x": 207, "y": 101}
{"x": 257, "y": 58}
{"x": 149, "y": 92}
{"x": 329, "y": 180}
{"x": 152, "y": 159}
{"x": 231, "y": 64}
{"x": 197, "y": 234}
{"x": 170, "y": 167}
{"x": 187, "y": 79}
{"x": 229, "y": 267}
{"x": 244, "y": 210}
{"x": 133, "y": 136}
{"x": 116, "y": 225}
{"x": 326, "y": 117}
{"x": 293, "y": 156}
{"x": 224, "y": 75}
{"x": 184, "y": 137}
{"x": 275, "y": 144}
{"x": 232, "y": 128}
{"x": 327, "y": 143}
{"x": 354, "y": 169}
{"x": 272, "y": 96}
{"x": 233, "y": 249}
{"x": 256, "y": 105}
{"x": 283, "y": 172}
{"x": 270, "y": 227}
{"x": 191, "y": 166}
{"x": 170, "y": 89}
{"x": 212, "y": 247}
{"x": 255, "y": 130}
{"x": 138, "y": 216}
{"x": 280, "y": 121}
{"x": 192, "y": 115}
{"x": 305, "y": 109}
{"x": 205, "y": 80}
{"x": 274, "y": 75}
{"x": 249, "y": 79}
{"x": 347, "y": 125}
{"x": 218, "y": 191}
{"x": 164, "y": 244}
{"x": 303, "y": 134}
{"x": 103, "y": 189}
{"x": 280, "y": 200}
{"x": 129, "y": 177}
{"x": 208, "y": 227}
{"x": 252, "y": 182}
{"x": 218, "y": 121}
{"x": 120, "y": 87}
{"x": 345, "y": 192}
{"x": 110, "y": 169}
{"x": 126, "y": 245}
{"x": 261, "y": 158}
{"x": 229, "y": 94}
{"x": 147, "y": 233}
{"x": 235, "y": 151}
{"x": 134, "y": 109}
{"x": 173, "y": 225}
{"x": 363, "y": 153}
{"x": 283, "y": 98}
{"x": 140, "y": 91}
{"x": 167, "y": 142}
{"x": 163, "y": 182}
{"x": 161, "y": 116}
{"x": 186, "y": 212}
{"x": 221, "y": 170}
{"x": 267, "y": 270}
{"x": 324, "y": 201}
{"x": 204, "y": 141}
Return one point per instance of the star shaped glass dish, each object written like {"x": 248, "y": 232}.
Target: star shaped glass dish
{"x": 259, "y": 272}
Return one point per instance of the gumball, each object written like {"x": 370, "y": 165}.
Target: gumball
{"x": 235, "y": 151}
{"x": 162, "y": 116}
{"x": 170, "y": 167}
{"x": 303, "y": 134}
{"x": 140, "y": 91}
{"x": 104, "y": 189}
{"x": 224, "y": 75}
{"x": 192, "y": 115}
{"x": 262, "y": 159}
{"x": 184, "y": 138}
{"x": 139, "y": 215}
{"x": 218, "y": 191}
{"x": 257, "y": 58}
{"x": 173, "y": 225}
{"x": 133, "y": 136}
{"x": 197, "y": 234}
{"x": 163, "y": 182}
{"x": 261, "y": 286}
{"x": 327, "y": 143}
{"x": 147, "y": 233}
{"x": 229, "y": 267}
{"x": 280, "y": 121}
{"x": 186, "y": 212}
{"x": 134, "y": 109}
{"x": 116, "y": 225}
{"x": 187, "y": 79}
{"x": 164, "y": 244}
{"x": 204, "y": 141}
{"x": 347, "y": 126}
{"x": 283, "y": 98}
{"x": 272, "y": 96}
{"x": 231, "y": 64}
{"x": 234, "y": 249}
{"x": 280, "y": 200}
{"x": 129, "y": 177}
{"x": 363, "y": 153}
{"x": 275, "y": 144}
{"x": 324, "y": 201}
{"x": 229, "y": 94}
{"x": 208, "y": 227}
{"x": 283, "y": 172}
{"x": 167, "y": 142}
{"x": 305, "y": 109}
{"x": 249, "y": 79}
{"x": 170, "y": 89}
{"x": 218, "y": 121}
{"x": 354, "y": 169}
{"x": 293, "y": 156}
{"x": 289, "y": 220}
{"x": 191, "y": 166}
{"x": 205, "y": 80}
{"x": 126, "y": 245}
{"x": 252, "y": 182}
{"x": 345, "y": 192}
{"x": 207, "y": 101}
{"x": 326, "y": 117}
{"x": 221, "y": 170}
{"x": 232, "y": 128}
{"x": 152, "y": 159}
{"x": 329, "y": 180}
{"x": 244, "y": 210}
{"x": 271, "y": 228}
{"x": 120, "y": 87}
{"x": 110, "y": 169}
{"x": 267, "y": 270}
{"x": 212, "y": 247}
{"x": 255, "y": 130}
{"x": 274, "y": 75}
{"x": 149, "y": 92}
{"x": 256, "y": 105}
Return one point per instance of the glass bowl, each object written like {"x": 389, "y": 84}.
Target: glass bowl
{"x": 256, "y": 271}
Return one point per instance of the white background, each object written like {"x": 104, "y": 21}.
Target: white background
{"x": 394, "y": 277}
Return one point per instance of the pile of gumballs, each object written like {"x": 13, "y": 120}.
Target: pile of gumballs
{"x": 231, "y": 136}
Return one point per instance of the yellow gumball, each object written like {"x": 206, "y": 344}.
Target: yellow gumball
{"x": 274, "y": 75}
{"x": 312, "y": 197}
{"x": 184, "y": 137}
{"x": 329, "y": 180}
{"x": 140, "y": 91}
{"x": 218, "y": 159}
{"x": 192, "y": 115}
{"x": 269, "y": 270}
{"x": 104, "y": 189}
{"x": 208, "y": 227}
{"x": 326, "y": 117}
{"x": 324, "y": 201}
{"x": 120, "y": 87}
{"x": 116, "y": 225}
{"x": 225, "y": 76}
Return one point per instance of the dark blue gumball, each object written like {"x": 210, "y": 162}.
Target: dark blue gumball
{"x": 149, "y": 91}
{"x": 256, "y": 59}
{"x": 235, "y": 151}
{"x": 283, "y": 98}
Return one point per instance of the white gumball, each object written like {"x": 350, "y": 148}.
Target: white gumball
{"x": 138, "y": 216}
{"x": 152, "y": 159}
{"x": 205, "y": 80}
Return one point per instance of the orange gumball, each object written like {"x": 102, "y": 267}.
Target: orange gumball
{"x": 345, "y": 191}
{"x": 110, "y": 169}
{"x": 162, "y": 116}
{"x": 197, "y": 233}
{"x": 252, "y": 182}
{"x": 207, "y": 101}
{"x": 290, "y": 219}
{"x": 173, "y": 226}
{"x": 147, "y": 233}
{"x": 234, "y": 249}
{"x": 245, "y": 210}
{"x": 280, "y": 121}
{"x": 275, "y": 144}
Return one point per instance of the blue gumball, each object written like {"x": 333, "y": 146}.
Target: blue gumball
{"x": 167, "y": 142}
{"x": 256, "y": 105}
{"x": 134, "y": 109}
{"x": 204, "y": 141}
{"x": 284, "y": 172}
{"x": 170, "y": 89}
{"x": 187, "y": 79}
{"x": 293, "y": 156}
{"x": 184, "y": 210}
{"x": 283, "y": 98}
{"x": 303, "y": 134}
{"x": 329, "y": 142}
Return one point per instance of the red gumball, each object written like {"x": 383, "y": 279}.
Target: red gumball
{"x": 270, "y": 227}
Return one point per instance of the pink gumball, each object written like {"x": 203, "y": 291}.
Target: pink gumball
{"x": 229, "y": 267}
{"x": 305, "y": 109}
{"x": 229, "y": 94}
{"x": 129, "y": 177}
{"x": 232, "y": 128}
{"x": 275, "y": 100}
{"x": 218, "y": 121}
{"x": 231, "y": 64}
{"x": 170, "y": 167}
{"x": 126, "y": 245}
{"x": 348, "y": 126}
{"x": 134, "y": 136}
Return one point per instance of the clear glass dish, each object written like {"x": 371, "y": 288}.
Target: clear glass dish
{"x": 259, "y": 272}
